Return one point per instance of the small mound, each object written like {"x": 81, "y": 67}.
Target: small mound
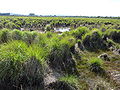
{"x": 60, "y": 85}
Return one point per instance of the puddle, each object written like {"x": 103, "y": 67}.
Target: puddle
{"x": 62, "y": 29}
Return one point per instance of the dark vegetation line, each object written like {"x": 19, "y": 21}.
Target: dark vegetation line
{"x": 28, "y": 58}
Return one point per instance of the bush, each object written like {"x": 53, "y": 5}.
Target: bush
{"x": 80, "y": 44}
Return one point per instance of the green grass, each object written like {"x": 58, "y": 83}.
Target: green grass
{"x": 4, "y": 36}
{"x": 93, "y": 41}
{"x": 93, "y": 60}
{"x": 15, "y": 51}
{"x": 114, "y": 35}
{"x": 40, "y": 53}
{"x": 73, "y": 80}
{"x": 19, "y": 47}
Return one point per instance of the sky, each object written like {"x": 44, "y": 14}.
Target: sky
{"x": 62, "y": 7}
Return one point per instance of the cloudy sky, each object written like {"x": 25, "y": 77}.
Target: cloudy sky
{"x": 62, "y": 7}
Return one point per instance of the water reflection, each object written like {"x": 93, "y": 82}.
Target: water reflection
{"x": 62, "y": 29}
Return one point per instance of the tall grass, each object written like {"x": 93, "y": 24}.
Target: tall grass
{"x": 95, "y": 60}
{"x": 12, "y": 55}
{"x": 79, "y": 32}
{"x": 19, "y": 60}
{"x": 15, "y": 51}
{"x": 4, "y": 36}
{"x": 114, "y": 35}
{"x": 16, "y": 35}
{"x": 93, "y": 41}
{"x": 72, "y": 80}
{"x": 60, "y": 57}
{"x": 96, "y": 65}
{"x": 40, "y": 53}
{"x": 27, "y": 48}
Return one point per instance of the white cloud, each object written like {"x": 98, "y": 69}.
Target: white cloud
{"x": 62, "y": 7}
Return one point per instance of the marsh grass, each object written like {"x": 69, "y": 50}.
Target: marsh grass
{"x": 79, "y": 32}
{"x": 72, "y": 80}
{"x": 93, "y": 41}
{"x": 95, "y": 65}
{"x": 12, "y": 55}
{"x": 40, "y": 53}
{"x": 17, "y": 59}
{"x": 4, "y": 36}
{"x": 95, "y": 60}
{"x": 15, "y": 51}
{"x": 16, "y": 35}
{"x": 113, "y": 34}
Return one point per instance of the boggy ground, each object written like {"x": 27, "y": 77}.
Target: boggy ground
{"x": 81, "y": 59}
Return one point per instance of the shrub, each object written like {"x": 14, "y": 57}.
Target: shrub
{"x": 95, "y": 60}
{"x": 80, "y": 45}
{"x": 68, "y": 40}
{"x": 1, "y": 26}
{"x": 72, "y": 80}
